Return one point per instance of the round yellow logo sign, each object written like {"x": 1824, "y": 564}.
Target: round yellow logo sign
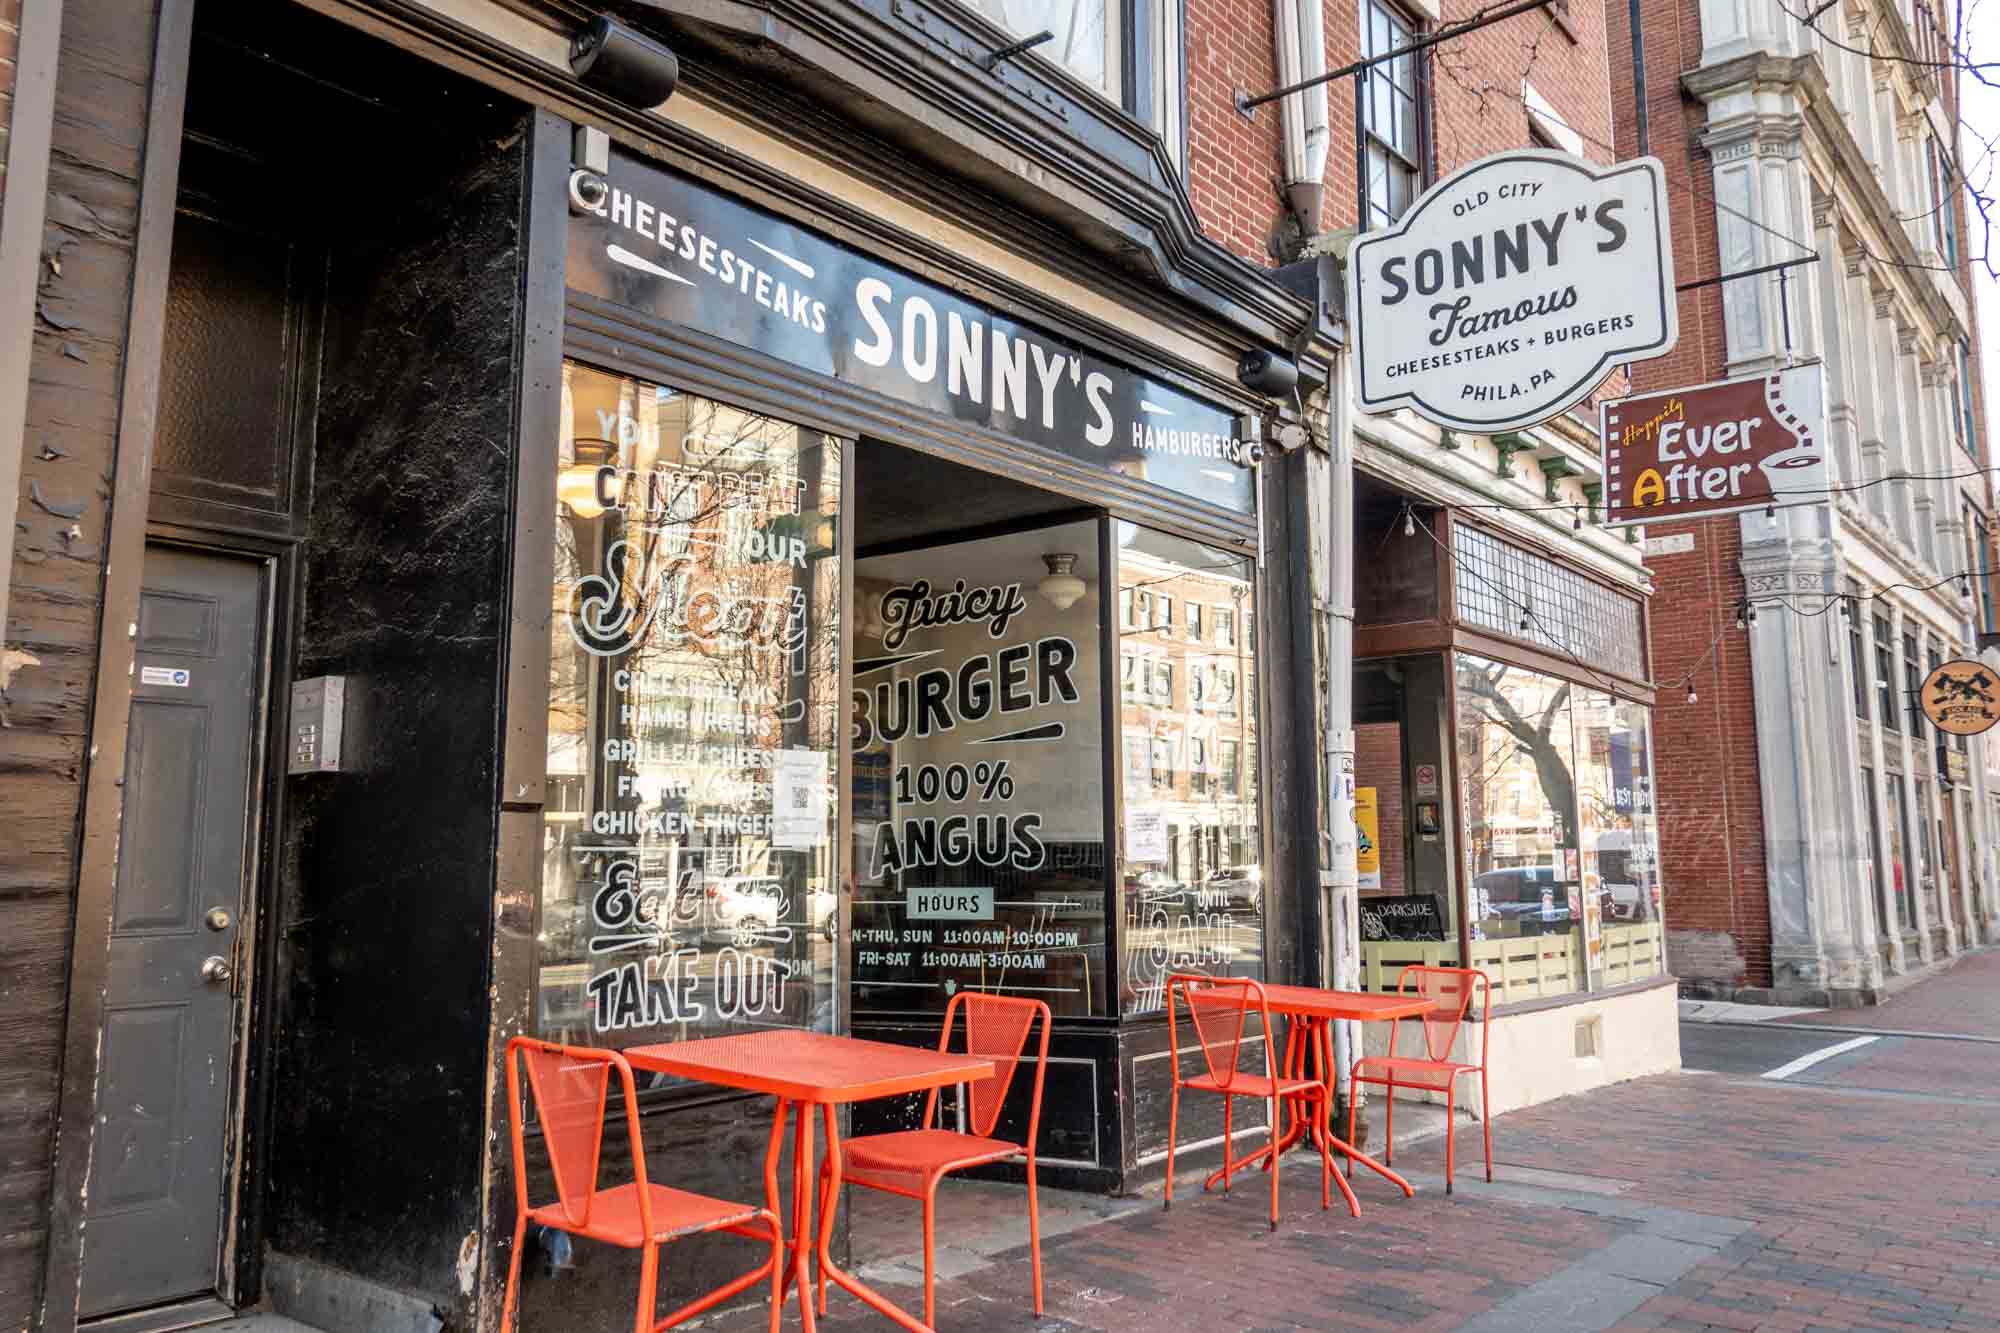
{"x": 1962, "y": 697}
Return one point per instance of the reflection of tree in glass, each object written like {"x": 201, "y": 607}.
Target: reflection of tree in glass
{"x": 1483, "y": 681}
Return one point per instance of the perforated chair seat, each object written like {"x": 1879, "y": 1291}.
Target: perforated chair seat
{"x": 614, "y": 1215}
{"x": 1255, "y": 1085}
{"x": 917, "y": 1153}
{"x": 1410, "y": 1071}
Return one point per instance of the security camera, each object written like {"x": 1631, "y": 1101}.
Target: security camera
{"x": 623, "y": 63}
{"x": 1267, "y": 373}
{"x": 587, "y": 191}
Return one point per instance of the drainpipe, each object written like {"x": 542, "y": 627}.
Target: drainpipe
{"x": 21, "y": 216}
{"x": 1342, "y": 907}
{"x": 1299, "y": 33}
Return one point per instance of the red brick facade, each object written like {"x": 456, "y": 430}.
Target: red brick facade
{"x": 1235, "y": 162}
{"x": 10, "y": 46}
{"x": 1378, "y": 763}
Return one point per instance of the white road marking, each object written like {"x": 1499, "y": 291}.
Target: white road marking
{"x": 1811, "y": 1058}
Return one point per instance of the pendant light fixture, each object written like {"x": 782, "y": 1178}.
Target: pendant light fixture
{"x": 1062, "y": 588}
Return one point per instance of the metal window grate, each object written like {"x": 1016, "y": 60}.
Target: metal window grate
{"x": 1501, "y": 587}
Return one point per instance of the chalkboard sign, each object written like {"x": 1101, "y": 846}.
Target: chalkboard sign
{"x": 1412, "y": 916}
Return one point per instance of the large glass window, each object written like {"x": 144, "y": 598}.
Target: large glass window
{"x": 1623, "y": 937}
{"x": 1516, "y": 766}
{"x": 1561, "y": 836}
{"x": 978, "y": 746}
{"x": 1870, "y": 856}
{"x": 689, "y": 874}
{"x": 1392, "y": 132}
{"x": 1899, "y": 861}
{"x": 1190, "y": 851}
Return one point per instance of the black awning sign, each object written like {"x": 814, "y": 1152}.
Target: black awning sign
{"x": 660, "y": 243}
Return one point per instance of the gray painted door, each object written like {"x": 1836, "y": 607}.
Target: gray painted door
{"x": 153, "y": 1215}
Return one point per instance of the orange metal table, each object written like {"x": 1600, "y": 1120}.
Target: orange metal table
{"x": 1311, "y": 1011}
{"x": 803, "y": 1070}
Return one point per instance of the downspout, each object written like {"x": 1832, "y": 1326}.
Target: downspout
{"x": 1299, "y": 33}
{"x": 1341, "y": 911}
{"x": 21, "y": 217}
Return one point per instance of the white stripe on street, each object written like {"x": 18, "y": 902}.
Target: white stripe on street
{"x": 1812, "y": 1058}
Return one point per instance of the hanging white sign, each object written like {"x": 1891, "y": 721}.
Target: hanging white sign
{"x": 1511, "y": 287}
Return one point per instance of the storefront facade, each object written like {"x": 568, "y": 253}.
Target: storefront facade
{"x": 1503, "y": 706}
{"x": 759, "y": 585}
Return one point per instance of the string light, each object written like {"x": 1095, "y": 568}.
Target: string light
{"x": 1409, "y": 522}
{"x": 1692, "y": 696}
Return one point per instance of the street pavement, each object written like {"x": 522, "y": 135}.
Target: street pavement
{"x": 1787, "y": 1180}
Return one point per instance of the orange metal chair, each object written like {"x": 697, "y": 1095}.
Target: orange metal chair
{"x": 571, "y": 1085}
{"x": 912, "y": 1162}
{"x": 1453, "y": 990}
{"x": 1220, "y": 1007}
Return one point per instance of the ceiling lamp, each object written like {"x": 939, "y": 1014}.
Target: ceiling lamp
{"x": 1062, "y": 588}
{"x": 576, "y": 487}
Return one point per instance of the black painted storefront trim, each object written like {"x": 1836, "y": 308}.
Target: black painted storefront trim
{"x": 1091, "y": 208}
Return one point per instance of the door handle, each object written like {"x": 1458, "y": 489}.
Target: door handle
{"x": 215, "y": 969}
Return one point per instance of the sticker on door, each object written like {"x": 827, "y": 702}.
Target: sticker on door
{"x": 175, "y": 676}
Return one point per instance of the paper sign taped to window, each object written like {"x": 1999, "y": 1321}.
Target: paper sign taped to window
{"x": 798, "y": 800}
{"x": 1145, "y": 834}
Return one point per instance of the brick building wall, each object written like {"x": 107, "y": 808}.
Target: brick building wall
{"x": 1707, "y": 786}
{"x": 1235, "y": 163}
{"x": 1378, "y": 763}
{"x": 10, "y": 45}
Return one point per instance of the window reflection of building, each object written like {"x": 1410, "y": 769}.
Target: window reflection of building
{"x": 1194, "y": 897}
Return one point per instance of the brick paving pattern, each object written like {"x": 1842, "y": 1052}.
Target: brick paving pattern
{"x": 1691, "y": 1201}
{"x": 1965, "y": 999}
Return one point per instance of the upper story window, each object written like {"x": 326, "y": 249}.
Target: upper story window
{"x": 1961, "y": 403}
{"x": 1393, "y": 124}
{"x": 1885, "y": 676}
{"x": 1944, "y": 217}
{"x": 1086, "y": 34}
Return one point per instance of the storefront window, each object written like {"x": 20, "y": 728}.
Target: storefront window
{"x": 689, "y": 869}
{"x": 1899, "y": 871}
{"x": 1873, "y": 871}
{"x": 1516, "y": 766}
{"x": 1622, "y": 935}
{"x": 979, "y": 775}
{"x": 1191, "y": 858}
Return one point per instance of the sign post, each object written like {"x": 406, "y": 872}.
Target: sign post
{"x": 1510, "y": 289}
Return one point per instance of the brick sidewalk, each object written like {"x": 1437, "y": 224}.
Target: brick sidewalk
{"x": 1681, "y": 1202}
{"x": 1963, "y": 999}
